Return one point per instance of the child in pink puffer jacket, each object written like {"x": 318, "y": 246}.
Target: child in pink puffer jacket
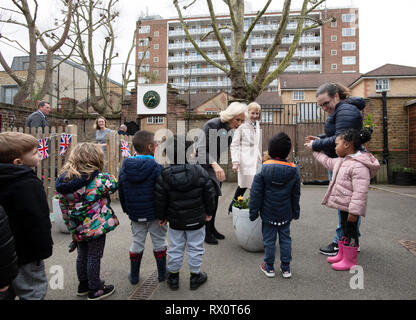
{"x": 348, "y": 189}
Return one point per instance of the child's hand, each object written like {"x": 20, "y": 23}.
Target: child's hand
{"x": 163, "y": 222}
{"x": 311, "y": 138}
{"x": 208, "y": 218}
{"x": 235, "y": 167}
{"x": 4, "y": 289}
{"x": 352, "y": 218}
{"x": 308, "y": 145}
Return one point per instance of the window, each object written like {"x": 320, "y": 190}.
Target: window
{"x": 333, "y": 38}
{"x": 155, "y": 59}
{"x": 334, "y": 52}
{"x": 348, "y": 17}
{"x": 143, "y": 42}
{"x": 156, "y": 46}
{"x": 144, "y": 68}
{"x": 156, "y": 34}
{"x": 348, "y": 32}
{"x": 267, "y": 116}
{"x": 211, "y": 112}
{"x": 147, "y": 55}
{"x": 348, "y": 46}
{"x": 348, "y": 60}
{"x": 307, "y": 112}
{"x": 333, "y": 24}
{"x": 382, "y": 85}
{"x": 144, "y": 29}
{"x": 8, "y": 93}
{"x": 298, "y": 95}
{"x": 334, "y": 66}
{"x": 155, "y": 120}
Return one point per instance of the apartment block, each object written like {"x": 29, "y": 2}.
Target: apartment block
{"x": 164, "y": 50}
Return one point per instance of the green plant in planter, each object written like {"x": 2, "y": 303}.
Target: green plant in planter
{"x": 368, "y": 123}
{"x": 241, "y": 203}
{"x": 400, "y": 168}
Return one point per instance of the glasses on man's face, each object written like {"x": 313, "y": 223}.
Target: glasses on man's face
{"x": 325, "y": 104}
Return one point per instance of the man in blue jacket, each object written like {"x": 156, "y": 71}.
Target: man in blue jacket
{"x": 136, "y": 190}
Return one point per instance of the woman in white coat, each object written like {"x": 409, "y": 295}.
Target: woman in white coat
{"x": 246, "y": 152}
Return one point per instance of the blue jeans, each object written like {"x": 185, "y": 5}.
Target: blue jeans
{"x": 338, "y": 231}
{"x": 269, "y": 239}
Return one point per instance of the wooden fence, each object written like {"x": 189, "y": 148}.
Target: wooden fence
{"x": 48, "y": 169}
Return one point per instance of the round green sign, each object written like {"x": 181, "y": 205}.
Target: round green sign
{"x": 151, "y": 99}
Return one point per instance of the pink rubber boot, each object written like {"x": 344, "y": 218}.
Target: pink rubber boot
{"x": 339, "y": 255}
{"x": 349, "y": 259}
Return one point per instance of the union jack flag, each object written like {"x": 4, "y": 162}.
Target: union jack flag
{"x": 65, "y": 140}
{"x": 43, "y": 148}
{"x": 125, "y": 150}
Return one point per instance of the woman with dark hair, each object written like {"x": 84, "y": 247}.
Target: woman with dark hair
{"x": 344, "y": 112}
{"x": 210, "y": 145}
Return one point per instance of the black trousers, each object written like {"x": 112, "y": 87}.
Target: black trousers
{"x": 349, "y": 228}
{"x": 239, "y": 192}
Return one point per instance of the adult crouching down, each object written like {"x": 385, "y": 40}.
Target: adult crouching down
{"x": 213, "y": 141}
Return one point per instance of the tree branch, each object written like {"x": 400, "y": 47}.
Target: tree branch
{"x": 250, "y": 29}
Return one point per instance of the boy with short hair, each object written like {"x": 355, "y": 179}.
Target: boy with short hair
{"x": 23, "y": 198}
{"x": 275, "y": 193}
{"x": 136, "y": 185}
{"x": 185, "y": 197}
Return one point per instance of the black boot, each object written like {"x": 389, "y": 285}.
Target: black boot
{"x": 161, "y": 264}
{"x": 173, "y": 280}
{"x": 135, "y": 260}
{"x": 209, "y": 238}
{"x": 197, "y": 279}
{"x": 214, "y": 231}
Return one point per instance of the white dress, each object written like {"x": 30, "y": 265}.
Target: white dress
{"x": 246, "y": 151}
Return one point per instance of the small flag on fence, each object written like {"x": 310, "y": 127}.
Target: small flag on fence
{"x": 43, "y": 148}
{"x": 65, "y": 141}
{"x": 125, "y": 150}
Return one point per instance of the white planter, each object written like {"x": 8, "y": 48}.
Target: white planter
{"x": 248, "y": 232}
{"x": 57, "y": 213}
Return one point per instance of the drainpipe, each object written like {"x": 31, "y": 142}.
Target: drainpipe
{"x": 385, "y": 130}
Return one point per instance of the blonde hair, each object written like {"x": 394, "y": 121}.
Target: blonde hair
{"x": 84, "y": 159}
{"x": 234, "y": 109}
{"x": 96, "y": 122}
{"x": 255, "y": 106}
{"x": 14, "y": 145}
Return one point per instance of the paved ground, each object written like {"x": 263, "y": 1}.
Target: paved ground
{"x": 234, "y": 273}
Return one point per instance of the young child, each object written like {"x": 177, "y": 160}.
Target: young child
{"x": 23, "y": 198}
{"x": 348, "y": 190}
{"x": 275, "y": 193}
{"x": 136, "y": 187}
{"x": 185, "y": 197}
{"x": 85, "y": 203}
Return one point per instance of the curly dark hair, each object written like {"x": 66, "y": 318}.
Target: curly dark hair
{"x": 357, "y": 137}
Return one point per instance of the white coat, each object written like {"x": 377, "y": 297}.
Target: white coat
{"x": 246, "y": 151}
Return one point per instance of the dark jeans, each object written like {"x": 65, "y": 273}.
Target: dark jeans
{"x": 239, "y": 192}
{"x": 89, "y": 261}
{"x": 349, "y": 228}
{"x": 269, "y": 239}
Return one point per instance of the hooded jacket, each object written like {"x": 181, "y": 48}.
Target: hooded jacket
{"x": 85, "y": 205}
{"x": 347, "y": 115}
{"x": 184, "y": 195}
{"x": 136, "y": 187}
{"x": 275, "y": 193}
{"x": 8, "y": 258}
{"x": 350, "y": 181}
{"x": 24, "y": 199}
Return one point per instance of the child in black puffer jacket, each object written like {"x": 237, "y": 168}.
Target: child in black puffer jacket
{"x": 184, "y": 197}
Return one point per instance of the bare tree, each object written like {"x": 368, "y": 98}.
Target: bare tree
{"x": 241, "y": 87}
{"x": 91, "y": 19}
{"x": 26, "y": 85}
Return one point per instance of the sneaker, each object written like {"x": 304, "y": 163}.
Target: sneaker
{"x": 269, "y": 272}
{"x": 173, "y": 280}
{"x": 102, "y": 293}
{"x": 82, "y": 288}
{"x": 197, "y": 279}
{"x": 329, "y": 250}
{"x": 285, "y": 270}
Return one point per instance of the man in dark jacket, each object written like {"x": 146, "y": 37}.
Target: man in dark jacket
{"x": 136, "y": 186}
{"x": 8, "y": 258}
{"x": 275, "y": 195}
{"x": 23, "y": 198}
{"x": 344, "y": 113}
{"x": 185, "y": 197}
{"x": 38, "y": 118}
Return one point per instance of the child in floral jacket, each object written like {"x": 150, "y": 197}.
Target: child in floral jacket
{"x": 85, "y": 204}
